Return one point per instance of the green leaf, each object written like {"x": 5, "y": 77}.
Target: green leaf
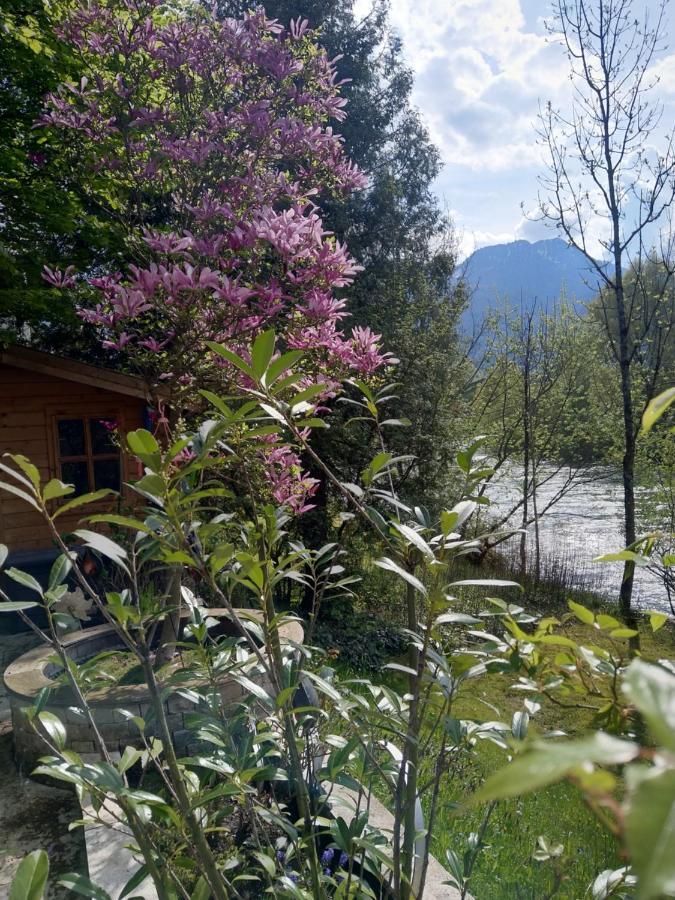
{"x": 12, "y": 605}
{"x": 202, "y": 890}
{"x": 232, "y": 358}
{"x": 375, "y": 466}
{"x": 59, "y": 571}
{"x": 584, "y": 615}
{"x": 54, "y": 728}
{"x": 144, "y": 445}
{"x": 25, "y": 579}
{"x": 136, "y": 879}
{"x": 55, "y": 489}
{"x": 657, "y": 620}
{"x": 485, "y": 582}
{"x": 11, "y": 489}
{"x": 93, "y": 497}
{"x": 656, "y": 408}
{"x": 390, "y": 566}
{"x": 4, "y": 553}
{"x": 623, "y": 556}
{"x": 415, "y": 538}
{"x": 452, "y": 519}
{"x": 83, "y": 886}
{"x": 623, "y": 633}
{"x": 456, "y": 619}
{"x": 266, "y": 862}
{"x": 103, "y": 545}
{"x": 262, "y": 352}
{"x": 650, "y": 832}
{"x": 548, "y": 762}
{"x": 652, "y": 690}
{"x": 283, "y": 364}
{"x": 27, "y": 468}
{"x": 122, "y": 521}
{"x": 31, "y": 877}
{"x": 519, "y": 725}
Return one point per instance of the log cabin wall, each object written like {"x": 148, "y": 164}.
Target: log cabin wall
{"x": 31, "y": 404}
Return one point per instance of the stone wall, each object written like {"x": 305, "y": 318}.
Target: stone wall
{"x": 33, "y": 671}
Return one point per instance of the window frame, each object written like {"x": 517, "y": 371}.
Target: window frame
{"x": 88, "y": 457}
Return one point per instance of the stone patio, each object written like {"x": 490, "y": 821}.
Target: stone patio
{"x": 32, "y": 816}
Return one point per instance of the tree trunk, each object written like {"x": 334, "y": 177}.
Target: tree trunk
{"x": 628, "y": 468}
{"x": 171, "y": 625}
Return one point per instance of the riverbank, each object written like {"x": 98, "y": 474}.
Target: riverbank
{"x": 585, "y": 523}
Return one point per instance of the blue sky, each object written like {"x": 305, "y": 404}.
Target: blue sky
{"x": 481, "y": 68}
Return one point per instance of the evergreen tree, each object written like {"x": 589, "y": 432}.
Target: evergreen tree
{"x": 397, "y": 232}
{"x": 44, "y": 219}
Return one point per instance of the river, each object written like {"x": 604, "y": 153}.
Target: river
{"x": 585, "y": 523}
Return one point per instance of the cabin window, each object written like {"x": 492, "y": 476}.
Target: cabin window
{"x": 87, "y": 454}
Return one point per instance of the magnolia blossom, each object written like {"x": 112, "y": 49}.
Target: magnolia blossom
{"x": 233, "y": 177}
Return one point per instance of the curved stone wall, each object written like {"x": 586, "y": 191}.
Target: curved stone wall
{"x": 30, "y": 673}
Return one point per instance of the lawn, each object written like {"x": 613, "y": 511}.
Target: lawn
{"x": 507, "y": 868}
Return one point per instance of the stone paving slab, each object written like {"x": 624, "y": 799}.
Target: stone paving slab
{"x": 111, "y": 862}
{"x": 11, "y": 647}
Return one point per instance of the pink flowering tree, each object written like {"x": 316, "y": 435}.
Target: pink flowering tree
{"x": 211, "y": 141}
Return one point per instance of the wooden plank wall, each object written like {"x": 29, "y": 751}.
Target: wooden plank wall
{"x": 29, "y": 403}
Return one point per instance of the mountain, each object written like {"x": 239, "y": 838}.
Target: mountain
{"x": 539, "y": 273}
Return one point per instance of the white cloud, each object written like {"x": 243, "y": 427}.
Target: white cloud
{"x": 480, "y": 70}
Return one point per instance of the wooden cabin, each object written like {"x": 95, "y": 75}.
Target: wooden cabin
{"x": 59, "y": 413}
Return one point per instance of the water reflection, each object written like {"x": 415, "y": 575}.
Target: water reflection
{"x": 585, "y": 523}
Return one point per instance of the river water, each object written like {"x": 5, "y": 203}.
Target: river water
{"x": 585, "y": 523}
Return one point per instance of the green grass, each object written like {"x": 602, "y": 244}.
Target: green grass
{"x": 507, "y": 869}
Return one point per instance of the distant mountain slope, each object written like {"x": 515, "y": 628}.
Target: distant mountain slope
{"x": 541, "y": 272}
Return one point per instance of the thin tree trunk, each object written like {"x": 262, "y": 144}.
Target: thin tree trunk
{"x": 535, "y": 511}
{"x": 171, "y": 625}
{"x": 628, "y": 468}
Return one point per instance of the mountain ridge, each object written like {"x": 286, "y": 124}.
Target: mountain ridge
{"x": 537, "y": 273}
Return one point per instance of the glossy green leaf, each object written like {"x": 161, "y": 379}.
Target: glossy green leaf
{"x": 390, "y": 566}
{"x": 60, "y": 570}
{"x": 262, "y": 351}
{"x": 415, "y": 538}
{"x": 13, "y": 605}
{"x": 202, "y": 890}
{"x": 547, "y": 762}
{"x": 80, "y": 884}
{"x": 122, "y": 522}
{"x": 54, "y": 728}
{"x": 83, "y": 499}
{"x": 18, "y": 492}
{"x": 55, "y": 489}
{"x": 31, "y": 877}
{"x": 135, "y": 881}
{"x": 650, "y": 833}
{"x": 656, "y": 408}
{"x": 652, "y": 690}
{"x": 584, "y": 615}
{"x": 31, "y": 471}
{"x": 231, "y": 357}
{"x": 23, "y": 578}
{"x": 144, "y": 445}
{"x": 657, "y": 620}
{"x": 103, "y": 545}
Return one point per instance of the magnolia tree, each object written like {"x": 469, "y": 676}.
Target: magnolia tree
{"x": 210, "y": 141}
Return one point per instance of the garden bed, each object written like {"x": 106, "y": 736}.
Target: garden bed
{"x": 35, "y": 670}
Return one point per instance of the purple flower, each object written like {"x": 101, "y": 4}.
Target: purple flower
{"x": 343, "y": 862}
{"x": 327, "y": 857}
